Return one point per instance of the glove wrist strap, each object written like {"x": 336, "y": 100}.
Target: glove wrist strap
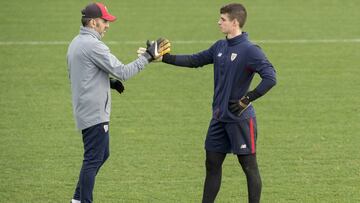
{"x": 253, "y": 95}
{"x": 148, "y": 56}
{"x": 168, "y": 58}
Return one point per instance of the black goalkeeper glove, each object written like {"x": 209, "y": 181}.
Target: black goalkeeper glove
{"x": 237, "y": 107}
{"x": 155, "y": 50}
{"x": 117, "y": 85}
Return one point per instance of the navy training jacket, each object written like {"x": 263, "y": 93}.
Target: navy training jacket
{"x": 235, "y": 62}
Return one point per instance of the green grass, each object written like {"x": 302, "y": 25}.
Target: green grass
{"x": 308, "y": 124}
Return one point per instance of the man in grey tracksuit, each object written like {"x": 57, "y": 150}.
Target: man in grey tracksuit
{"x": 89, "y": 64}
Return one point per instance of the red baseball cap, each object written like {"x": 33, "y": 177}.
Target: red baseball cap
{"x": 97, "y": 10}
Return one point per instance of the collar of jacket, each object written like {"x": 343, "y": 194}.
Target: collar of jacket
{"x": 89, "y": 31}
{"x": 238, "y": 39}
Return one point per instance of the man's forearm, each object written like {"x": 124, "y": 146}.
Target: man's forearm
{"x": 264, "y": 86}
{"x": 125, "y": 71}
{"x": 180, "y": 60}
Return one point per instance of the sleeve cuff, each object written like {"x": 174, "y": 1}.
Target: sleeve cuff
{"x": 168, "y": 58}
{"x": 253, "y": 95}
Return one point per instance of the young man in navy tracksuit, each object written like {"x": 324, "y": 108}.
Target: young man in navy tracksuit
{"x": 233, "y": 125}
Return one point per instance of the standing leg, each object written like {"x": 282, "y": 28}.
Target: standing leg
{"x": 96, "y": 151}
{"x": 251, "y": 170}
{"x": 212, "y": 183}
{"x": 243, "y": 137}
{"x": 77, "y": 189}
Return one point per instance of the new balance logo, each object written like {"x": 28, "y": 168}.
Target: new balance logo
{"x": 243, "y": 146}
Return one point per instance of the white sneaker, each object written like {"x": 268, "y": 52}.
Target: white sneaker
{"x": 75, "y": 201}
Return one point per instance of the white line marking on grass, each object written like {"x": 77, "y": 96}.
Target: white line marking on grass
{"x": 270, "y": 41}
{"x": 308, "y": 41}
{"x": 4, "y": 43}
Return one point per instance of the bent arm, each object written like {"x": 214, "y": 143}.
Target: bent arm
{"x": 261, "y": 65}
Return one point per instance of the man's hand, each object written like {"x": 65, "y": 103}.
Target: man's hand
{"x": 164, "y": 46}
{"x": 141, "y": 51}
{"x": 117, "y": 85}
{"x": 155, "y": 50}
{"x": 238, "y": 106}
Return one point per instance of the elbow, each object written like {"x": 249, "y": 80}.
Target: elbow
{"x": 270, "y": 82}
{"x": 273, "y": 82}
{"x": 120, "y": 76}
{"x": 272, "y": 79}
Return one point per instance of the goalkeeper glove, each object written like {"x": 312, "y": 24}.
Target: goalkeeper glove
{"x": 237, "y": 107}
{"x": 117, "y": 85}
{"x": 164, "y": 46}
{"x": 156, "y": 50}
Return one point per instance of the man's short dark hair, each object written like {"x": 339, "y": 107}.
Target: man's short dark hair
{"x": 85, "y": 21}
{"x": 235, "y": 10}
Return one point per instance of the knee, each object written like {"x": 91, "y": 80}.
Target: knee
{"x": 212, "y": 166}
{"x": 248, "y": 169}
{"x": 253, "y": 174}
{"x": 106, "y": 156}
{"x": 249, "y": 164}
{"x": 89, "y": 165}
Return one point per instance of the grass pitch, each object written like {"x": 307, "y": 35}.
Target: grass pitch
{"x": 308, "y": 124}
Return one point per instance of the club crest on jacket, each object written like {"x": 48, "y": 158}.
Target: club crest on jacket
{"x": 233, "y": 56}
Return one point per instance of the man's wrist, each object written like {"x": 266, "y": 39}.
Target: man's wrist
{"x": 168, "y": 58}
{"x": 112, "y": 83}
{"x": 148, "y": 56}
{"x": 252, "y": 95}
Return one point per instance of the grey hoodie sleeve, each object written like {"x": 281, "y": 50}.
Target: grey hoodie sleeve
{"x": 102, "y": 58}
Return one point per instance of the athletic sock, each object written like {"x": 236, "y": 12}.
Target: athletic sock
{"x": 251, "y": 170}
{"x": 213, "y": 175}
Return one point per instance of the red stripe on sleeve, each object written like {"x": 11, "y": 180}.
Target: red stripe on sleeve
{"x": 252, "y": 136}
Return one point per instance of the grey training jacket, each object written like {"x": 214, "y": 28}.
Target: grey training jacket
{"x": 89, "y": 64}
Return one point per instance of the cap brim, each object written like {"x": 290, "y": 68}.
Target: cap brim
{"x": 105, "y": 14}
{"x": 109, "y": 17}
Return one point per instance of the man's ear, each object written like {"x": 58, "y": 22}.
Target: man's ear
{"x": 92, "y": 23}
{"x": 236, "y": 22}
